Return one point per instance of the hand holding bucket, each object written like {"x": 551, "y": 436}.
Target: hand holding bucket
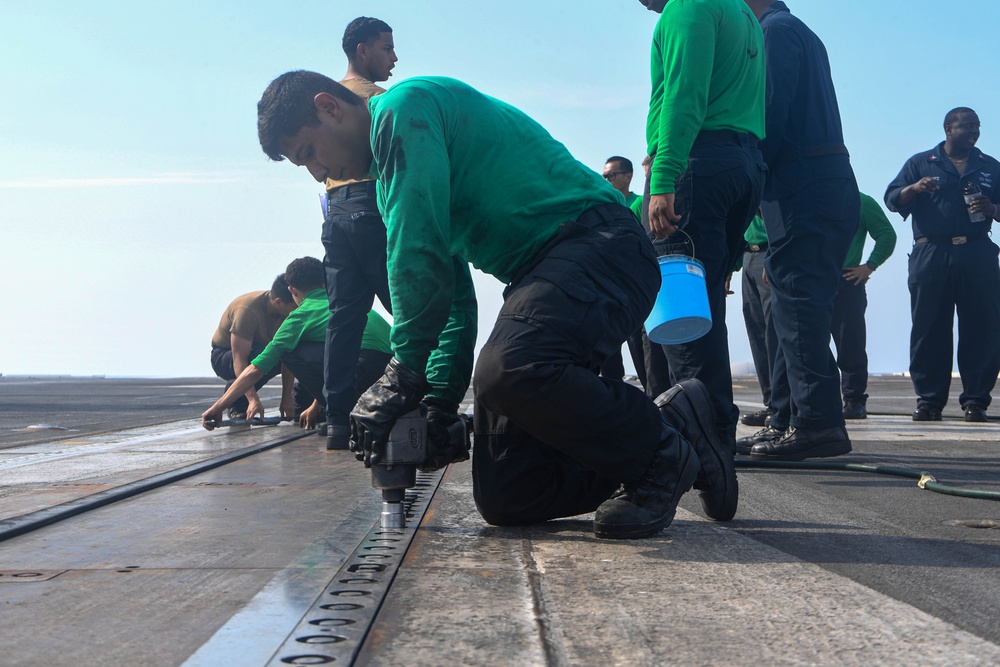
{"x": 681, "y": 313}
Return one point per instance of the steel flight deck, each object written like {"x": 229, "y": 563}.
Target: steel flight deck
{"x": 262, "y": 548}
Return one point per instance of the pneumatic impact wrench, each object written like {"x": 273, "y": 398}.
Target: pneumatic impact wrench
{"x": 410, "y": 448}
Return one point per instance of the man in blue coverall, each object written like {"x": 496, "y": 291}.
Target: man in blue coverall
{"x": 953, "y": 266}
{"x": 810, "y": 210}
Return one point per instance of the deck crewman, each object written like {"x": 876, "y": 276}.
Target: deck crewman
{"x": 354, "y": 238}
{"x": 810, "y": 209}
{"x": 464, "y": 177}
{"x": 246, "y": 327}
{"x": 706, "y": 115}
{"x": 299, "y": 344}
{"x": 953, "y": 266}
{"x": 850, "y": 335}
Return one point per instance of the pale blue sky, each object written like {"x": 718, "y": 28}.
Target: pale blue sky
{"x": 136, "y": 203}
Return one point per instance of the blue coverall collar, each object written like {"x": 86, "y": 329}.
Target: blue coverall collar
{"x": 774, "y": 8}
{"x": 939, "y": 156}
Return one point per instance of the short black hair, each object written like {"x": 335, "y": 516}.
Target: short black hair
{"x": 279, "y": 289}
{"x": 305, "y": 274}
{"x": 623, "y": 161}
{"x": 361, "y": 31}
{"x": 287, "y": 106}
{"x": 952, "y": 115}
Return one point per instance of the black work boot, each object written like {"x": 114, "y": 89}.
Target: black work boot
{"x": 688, "y": 408}
{"x": 799, "y": 444}
{"x": 647, "y": 507}
{"x": 746, "y": 443}
{"x": 855, "y": 410}
{"x": 759, "y": 418}
{"x": 926, "y": 412}
{"x": 337, "y": 437}
{"x": 975, "y": 413}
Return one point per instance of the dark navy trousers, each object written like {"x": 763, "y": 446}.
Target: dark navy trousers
{"x": 306, "y": 363}
{"x": 716, "y": 197}
{"x": 945, "y": 279}
{"x": 354, "y": 238}
{"x": 811, "y": 210}
{"x": 850, "y": 339}
{"x": 757, "y": 318}
{"x": 614, "y": 366}
{"x": 552, "y": 437}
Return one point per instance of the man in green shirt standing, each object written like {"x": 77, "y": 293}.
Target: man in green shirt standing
{"x": 849, "y": 332}
{"x": 757, "y": 318}
{"x": 618, "y": 172}
{"x": 464, "y": 177}
{"x": 706, "y": 115}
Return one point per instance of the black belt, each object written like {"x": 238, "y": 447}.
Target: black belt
{"x": 802, "y": 152}
{"x": 949, "y": 240}
{"x": 597, "y": 217}
{"x": 353, "y": 189}
{"x": 725, "y": 137}
{"x": 756, "y": 247}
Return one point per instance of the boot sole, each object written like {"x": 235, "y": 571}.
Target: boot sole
{"x": 704, "y": 414}
{"x": 635, "y": 531}
{"x": 337, "y": 447}
{"x": 823, "y": 451}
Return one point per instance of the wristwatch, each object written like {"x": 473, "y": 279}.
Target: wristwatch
{"x": 871, "y": 265}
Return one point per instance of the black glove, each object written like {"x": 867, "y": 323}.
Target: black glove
{"x": 397, "y": 392}
{"x": 447, "y": 434}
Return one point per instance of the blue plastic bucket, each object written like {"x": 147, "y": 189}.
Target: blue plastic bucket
{"x": 681, "y": 313}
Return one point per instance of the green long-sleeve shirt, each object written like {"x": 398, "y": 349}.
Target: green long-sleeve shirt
{"x": 376, "y": 334}
{"x": 306, "y": 323}
{"x": 463, "y": 177}
{"x": 707, "y": 68}
{"x": 636, "y": 207}
{"x": 875, "y": 223}
{"x": 755, "y": 233}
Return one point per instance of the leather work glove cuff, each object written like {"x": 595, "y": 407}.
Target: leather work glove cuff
{"x": 396, "y": 393}
{"x": 411, "y": 383}
{"x": 448, "y": 434}
{"x": 441, "y": 404}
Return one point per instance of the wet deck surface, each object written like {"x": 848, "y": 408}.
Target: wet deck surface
{"x": 819, "y": 567}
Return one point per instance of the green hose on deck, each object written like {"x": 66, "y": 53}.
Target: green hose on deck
{"x": 925, "y": 480}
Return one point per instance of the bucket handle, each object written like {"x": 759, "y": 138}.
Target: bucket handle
{"x": 690, "y": 240}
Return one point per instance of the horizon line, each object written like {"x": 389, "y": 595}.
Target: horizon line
{"x": 173, "y": 178}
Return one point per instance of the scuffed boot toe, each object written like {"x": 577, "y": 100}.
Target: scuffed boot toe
{"x": 647, "y": 507}
{"x": 687, "y": 407}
